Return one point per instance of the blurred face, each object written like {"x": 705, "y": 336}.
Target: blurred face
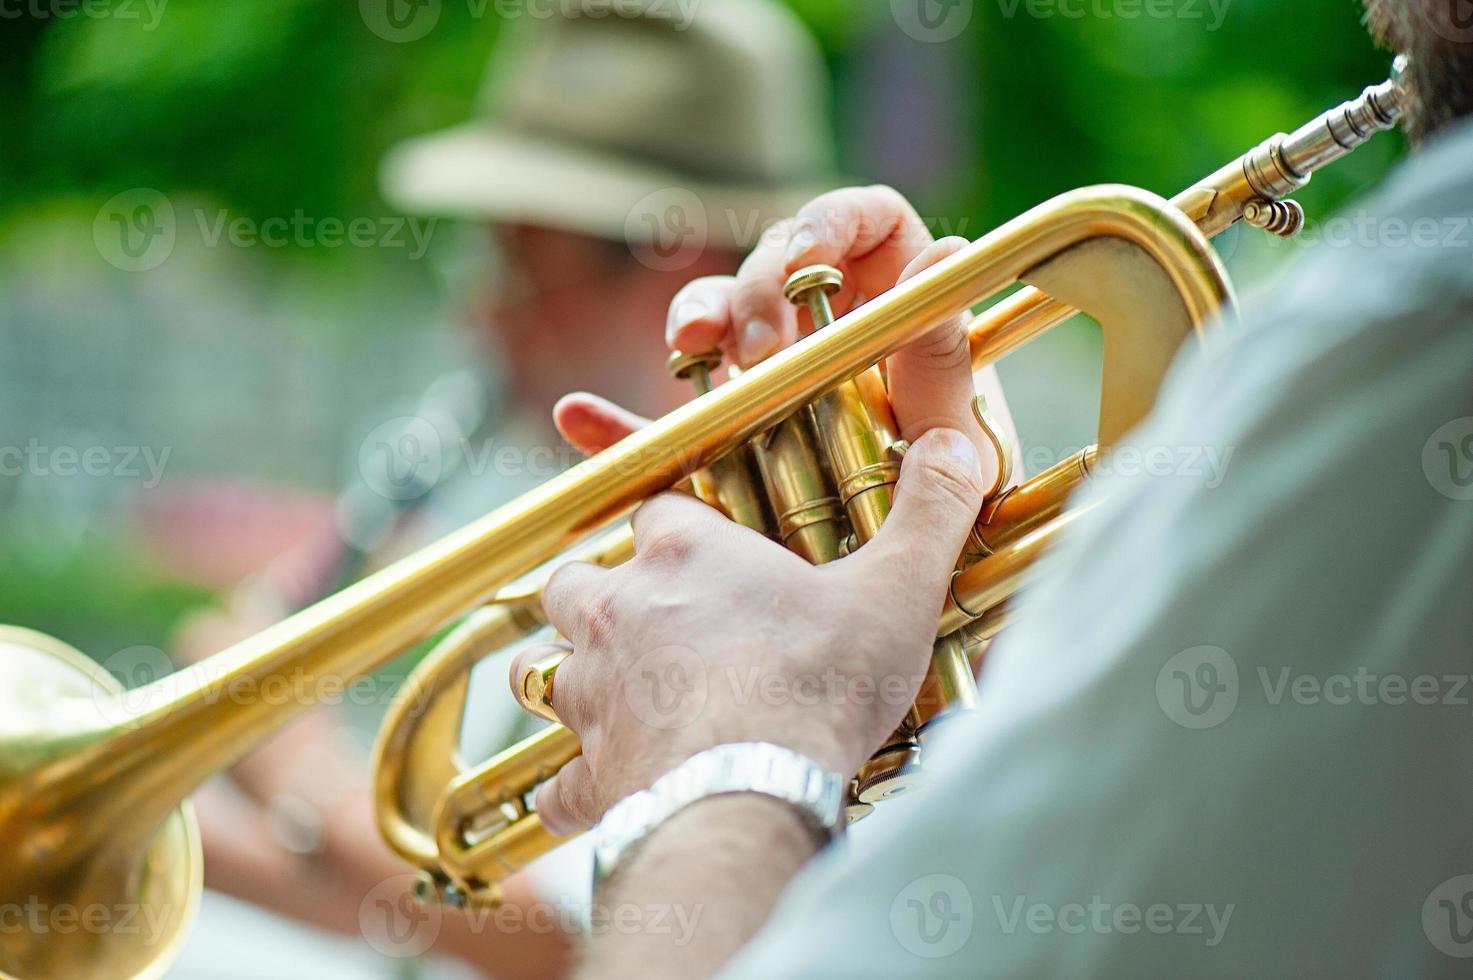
{"x": 549, "y": 278}
{"x": 1438, "y": 37}
{"x": 566, "y": 312}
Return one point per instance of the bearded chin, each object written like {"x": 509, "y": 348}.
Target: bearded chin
{"x": 1439, "y": 82}
{"x": 1383, "y": 21}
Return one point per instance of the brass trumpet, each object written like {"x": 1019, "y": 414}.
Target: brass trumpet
{"x": 819, "y": 482}
{"x": 93, "y": 783}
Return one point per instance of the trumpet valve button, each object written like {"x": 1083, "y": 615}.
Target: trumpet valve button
{"x": 694, "y": 367}
{"x": 801, "y": 283}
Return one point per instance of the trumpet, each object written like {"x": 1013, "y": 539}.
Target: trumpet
{"x": 819, "y": 482}
{"x": 93, "y": 781}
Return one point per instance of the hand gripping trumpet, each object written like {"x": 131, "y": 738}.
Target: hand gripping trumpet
{"x": 93, "y": 779}
{"x": 818, "y": 474}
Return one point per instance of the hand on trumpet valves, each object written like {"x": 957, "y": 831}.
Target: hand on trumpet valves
{"x": 876, "y": 239}
{"x": 666, "y": 659}
{"x": 675, "y": 652}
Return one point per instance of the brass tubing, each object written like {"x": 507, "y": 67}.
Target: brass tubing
{"x": 1011, "y": 323}
{"x": 855, "y": 421}
{"x": 793, "y": 377}
{"x": 1030, "y": 505}
{"x": 731, "y": 484}
{"x": 405, "y": 793}
{"x": 949, "y": 684}
{"x": 810, "y": 520}
{"x": 414, "y": 757}
{"x": 989, "y": 582}
{"x": 1270, "y": 171}
{"x": 503, "y": 779}
{"x": 857, "y": 429}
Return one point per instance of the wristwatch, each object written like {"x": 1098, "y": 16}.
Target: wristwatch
{"x": 739, "y": 767}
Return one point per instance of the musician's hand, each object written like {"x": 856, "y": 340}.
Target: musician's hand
{"x": 708, "y": 613}
{"x": 714, "y": 634}
{"x": 876, "y": 238}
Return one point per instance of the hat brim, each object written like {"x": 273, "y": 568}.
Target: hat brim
{"x": 485, "y": 172}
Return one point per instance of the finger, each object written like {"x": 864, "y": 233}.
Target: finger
{"x": 568, "y": 694}
{"x": 593, "y": 424}
{"x": 666, "y": 525}
{"x": 566, "y": 803}
{"x": 573, "y": 598}
{"x": 936, "y": 504}
{"x": 870, "y": 232}
{"x": 700, "y": 316}
{"x": 931, "y": 382}
{"x": 763, "y": 320}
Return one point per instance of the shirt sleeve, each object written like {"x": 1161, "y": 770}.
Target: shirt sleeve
{"x": 1230, "y": 735}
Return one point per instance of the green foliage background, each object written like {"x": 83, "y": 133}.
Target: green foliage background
{"x": 275, "y": 106}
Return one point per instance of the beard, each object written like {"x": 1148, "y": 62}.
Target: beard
{"x": 1438, "y": 39}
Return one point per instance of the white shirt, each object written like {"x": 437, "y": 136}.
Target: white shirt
{"x": 1231, "y": 734}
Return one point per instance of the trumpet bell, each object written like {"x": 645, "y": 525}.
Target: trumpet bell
{"x": 114, "y": 905}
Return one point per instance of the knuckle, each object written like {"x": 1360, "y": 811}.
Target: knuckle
{"x": 699, "y": 290}
{"x": 666, "y": 546}
{"x": 600, "y": 619}
{"x": 559, "y": 578}
{"x": 575, "y": 796}
{"x": 946, "y": 346}
{"x": 948, "y": 478}
{"x": 887, "y": 194}
{"x": 754, "y": 267}
{"x": 559, "y": 585}
{"x": 548, "y": 804}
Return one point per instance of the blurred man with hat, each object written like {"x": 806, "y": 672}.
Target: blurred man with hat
{"x": 617, "y": 158}
{"x": 620, "y": 151}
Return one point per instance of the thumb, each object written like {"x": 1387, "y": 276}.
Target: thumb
{"x": 936, "y": 504}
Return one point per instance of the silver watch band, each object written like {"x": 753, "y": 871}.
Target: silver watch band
{"x": 740, "y": 767}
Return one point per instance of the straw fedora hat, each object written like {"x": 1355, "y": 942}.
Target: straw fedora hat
{"x": 629, "y": 120}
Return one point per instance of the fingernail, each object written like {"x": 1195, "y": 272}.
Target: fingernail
{"x": 803, "y": 240}
{"x": 756, "y": 341}
{"x": 689, "y": 312}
